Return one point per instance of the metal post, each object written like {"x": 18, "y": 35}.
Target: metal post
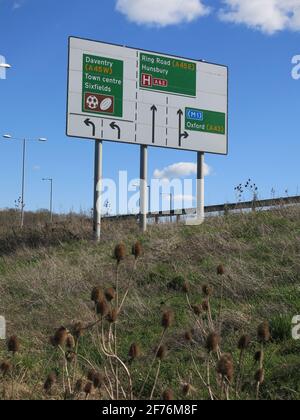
{"x": 23, "y": 184}
{"x": 51, "y": 200}
{"x": 97, "y": 189}
{"x": 143, "y": 187}
{"x": 149, "y": 198}
{"x": 200, "y": 187}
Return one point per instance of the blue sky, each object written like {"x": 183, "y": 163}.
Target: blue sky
{"x": 264, "y": 98}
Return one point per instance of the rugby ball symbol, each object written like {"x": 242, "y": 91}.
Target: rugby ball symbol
{"x": 106, "y": 104}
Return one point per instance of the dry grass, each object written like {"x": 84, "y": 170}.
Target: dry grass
{"x": 46, "y": 282}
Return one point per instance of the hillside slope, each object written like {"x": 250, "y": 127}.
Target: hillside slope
{"x": 46, "y": 285}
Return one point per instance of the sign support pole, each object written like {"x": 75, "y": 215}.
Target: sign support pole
{"x": 97, "y": 190}
{"x": 200, "y": 187}
{"x": 143, "y": 187}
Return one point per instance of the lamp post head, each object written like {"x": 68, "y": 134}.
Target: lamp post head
{"x": 42, "y": 139}
{"x": 7, "y": 136}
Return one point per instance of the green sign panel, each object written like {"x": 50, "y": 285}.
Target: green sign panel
{"x": 169, "y": 75}
{"x": 102, "y": 86}
{"x": 205, "y": 121}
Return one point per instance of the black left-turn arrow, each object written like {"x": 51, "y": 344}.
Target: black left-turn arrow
{"x": 114, "y": 126}
{"x": 90, "y": 123}
{"x": 154, "y": 110}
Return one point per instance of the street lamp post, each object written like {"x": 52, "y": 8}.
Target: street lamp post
{"x": 24, "y": 141}
{"x": 51, "y": 197}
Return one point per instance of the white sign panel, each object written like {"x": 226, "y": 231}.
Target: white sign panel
{"x": 132, "y": 96}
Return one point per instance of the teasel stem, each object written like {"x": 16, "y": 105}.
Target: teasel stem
{"x": 210, "y": 320}
{"x": 12, "y": 376}
{"x": 227, "y": 390}
{"x": 212, "y": 396}
{"x": 208, "y": 378}
{"x": 200, "y": 324}
{"x": 153, "y": 361}
{"x": 221, "y": 303}
{"x": 66, "y": 369}
{"x": 115, "y": 356}
{"x": 156, "y": 379}
{"x": 240, "y": 372}
{"x": 261, "y": 366}
{"x": 75, "y": 363}
{"x": 45, "y": 368}
{"x": 116, "y": 330}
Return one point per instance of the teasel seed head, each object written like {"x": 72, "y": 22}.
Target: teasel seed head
{"x": 110, "y": 294}
{"x": 91, "y": 374}
{"x": 188, "y": 336}
{"x": 168, "y": 395}
{"x": 186, "y": 389}
{"x": 167, "y": 319}
{"x": 186, "y": 287}
{"x": 112, "y": 316}
{"x": 205, "y": 306}
{"x": 88, "y": 388}
{"x": 212, "y": 342}
{"x": 5, "y": 367}
{"x": 70, "y": 356}
{"x": 98, "y": 380}
{"x": 13, "y": 344}
{"x": 78, "y": 386}
{"x": 78, "y": 330}
{"x": 60, "y": 337}
{"x": 244, "y": 342}
{"x": 97, "y": 294}
{"x": 161, "y": 352}
{"x": 220, "y": 270}
{"x": 134, "y": 351}
{"x": 197, "y": 309}
{"x": 207, "y": 290}
{"x": 260, "y": 376}
{"x": 70, "y": 342}
{"x": 102, "y": 308}
{"x": 225, "y": 367}
{"x": 263, "y": 332}
{"x": 120, "y": 252}
{"x": 258, "y": 356}
{"x": 50, "y": 381}
{"x": 137, "y": 250}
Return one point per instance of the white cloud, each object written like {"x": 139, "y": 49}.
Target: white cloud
{"x": 16, "y": 5}
{"x": 269, "y": 16}
{"x": 179, "y": 170}
{"x": 162, "y": 12}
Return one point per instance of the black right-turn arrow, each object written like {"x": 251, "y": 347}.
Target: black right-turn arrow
{"x": 181, "y": 135}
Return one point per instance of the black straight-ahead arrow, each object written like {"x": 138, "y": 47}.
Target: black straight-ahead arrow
{"x": 90, "y": 123}
{"x": 114, "y": 126}
{"x": 181, "y": 135}
{"x": 154, "y": 110}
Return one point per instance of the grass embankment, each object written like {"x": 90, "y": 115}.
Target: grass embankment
{"x": 45, "y": 284}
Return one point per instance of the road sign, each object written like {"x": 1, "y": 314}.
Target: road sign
{"x": 132, "y": 96}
